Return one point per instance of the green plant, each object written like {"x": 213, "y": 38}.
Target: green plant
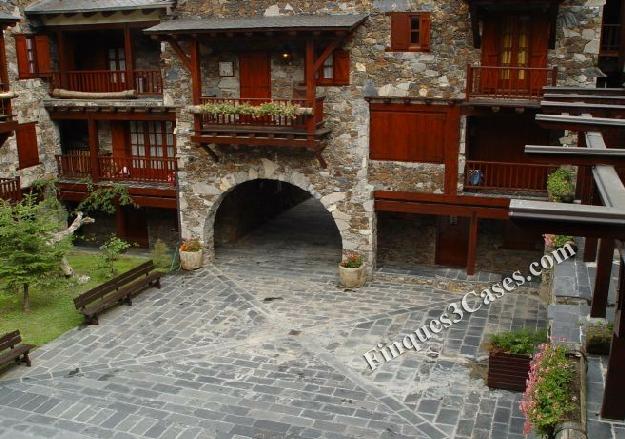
{"x": 285, "y": 109}
{"x": 162, "y": 256}
{"x": 29, "y": 254}
{"x": 352, "y": 260}
{"x": 191, "y": 245}
{"x": 599, "y": 338}
{"x": 560, "y": 185}
{"x": 561, "y": 240}
{"x": 111, "y": 250}
{"x": 105, "y": 198}
{"x": 522, "y": 341}
{"x": 549, "y": 398}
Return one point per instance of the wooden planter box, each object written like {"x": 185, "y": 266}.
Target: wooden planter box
{"x": 508, "y": 371}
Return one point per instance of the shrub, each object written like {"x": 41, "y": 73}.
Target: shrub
{"x": 560, "y": 185}
{"x": 548, "y": 398}
{"x": 522, "y": 341}
{"x": 557, "y": 241}
{"x": 191, "y": 245}
{"x": 111, "y": 250}
{"x": 162, "y": 256}
{"x": 352, "y": 260}
{"x": 285, "y": 109}
{"x": 599, "y": 338}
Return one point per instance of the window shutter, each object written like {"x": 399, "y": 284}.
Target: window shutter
{"x": 425, "y": 28}
{"x": 341, "y": 67}
{"x": 42, "y": 50}
{"x": 27, "y": 148}
{"x": 400, "y": 31}
{"x": 22, "y": 56}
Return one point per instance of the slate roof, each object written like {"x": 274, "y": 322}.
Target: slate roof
{"x": 294, "y": 22}
{"x": 67, "y": 6}
{"x": 8, "y": 18}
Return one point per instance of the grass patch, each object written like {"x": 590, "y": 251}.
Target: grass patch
{"x": 53, "y": 311}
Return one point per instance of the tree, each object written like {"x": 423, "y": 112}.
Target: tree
{"x": 30, "y": 248}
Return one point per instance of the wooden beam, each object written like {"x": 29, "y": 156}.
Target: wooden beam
{"x": 575, "y": 156}
{"x": 464, "y": 200}
{"x": 613, "y": 406}
{"x": 440, "y": 209}
{"x": 599, "y": 302}
{"x": 184, "y": 58}
{"x": 331, "y": 47}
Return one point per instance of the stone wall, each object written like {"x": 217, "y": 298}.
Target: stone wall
{"x": 345, "y": 187}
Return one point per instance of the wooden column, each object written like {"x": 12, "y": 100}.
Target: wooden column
{"x": 196, "y": 80}
{"x": 92, "y": 126}
{"x": 613, "y": 406}
{"x": 602, "y": 281}
{"x": 472, "y": 251}
{"x": 61, "y": 54}
{"x": 130, "y": 59}
{"x": 310, "y": 81}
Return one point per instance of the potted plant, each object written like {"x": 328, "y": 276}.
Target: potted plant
{"x": 509, "y": 358}
{"x": 191, "y": 254}
{"x": 599, "y": 338}
{"x": 352, "y": 270}
{"x": 560, "y": 186}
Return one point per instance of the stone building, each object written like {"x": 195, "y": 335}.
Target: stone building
{"x": 380, "y": 108}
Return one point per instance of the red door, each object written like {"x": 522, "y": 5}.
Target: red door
{"x": 452, "y": 241}
{"x": 255, "y": 75}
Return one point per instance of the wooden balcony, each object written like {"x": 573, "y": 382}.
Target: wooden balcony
{"x": 304, "y": 130}
{"x": 142, "y": 170}
{"x": 144, "y": 82}
{"x": 504, "y": 177}
{"x": 610, "y": 40}
{"x": 10, "y": 189}
{"x": 503, "y": 83}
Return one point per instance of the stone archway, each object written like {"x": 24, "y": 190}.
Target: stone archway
{"x": 272, "y": 222}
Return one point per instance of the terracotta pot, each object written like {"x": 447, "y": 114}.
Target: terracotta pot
{"x": 190, "y": 260}
{"x": 508, "y": 371}
{"x": 352, "y": 277}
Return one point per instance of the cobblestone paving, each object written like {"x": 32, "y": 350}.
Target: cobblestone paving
{"x": 265, "y": 345}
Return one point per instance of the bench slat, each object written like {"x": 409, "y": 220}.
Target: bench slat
{"x": 10, "y": 339}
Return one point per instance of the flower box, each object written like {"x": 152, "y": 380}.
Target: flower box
{"x": 508, "y": 371}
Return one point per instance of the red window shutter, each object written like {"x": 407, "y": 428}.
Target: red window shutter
{"x": 425, "y": 28}
{"x": 42, "y": 50}
{"x": 341, "y": 67}
{"x": 27, "y": 148}
{"x": 400, "y": 31}
{"x": 22, "y": 57}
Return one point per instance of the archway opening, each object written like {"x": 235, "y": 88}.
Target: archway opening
{"x": 271, "y": 222}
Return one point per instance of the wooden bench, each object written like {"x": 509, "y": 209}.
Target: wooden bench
{"x": 120, "y": 289}
{"x": 12, "y": 349}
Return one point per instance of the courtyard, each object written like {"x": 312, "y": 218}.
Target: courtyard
{"x": 265, "y": 344}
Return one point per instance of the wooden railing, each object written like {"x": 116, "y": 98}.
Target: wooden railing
{"x": 509, "y": 82}
{"x": 610, "y": 39}
{"x": 134, "y": 168}
{"x": 298, "y": 122}
{"x": 146, "y": 82}
{"x": 10, "y": 189}
{"x": 507, "y": 176}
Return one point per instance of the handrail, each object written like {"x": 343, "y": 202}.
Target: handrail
{"x": 144, "y": 82}
{"x": 509, "y": 82}
{"x": 10, "y": 189}
{"x": 491, "y": 175}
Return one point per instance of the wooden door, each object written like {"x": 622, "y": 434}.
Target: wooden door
{"x": 514, "y": 52}
{"x": 255, "y": 75}
{"x": 120, "y": 138}
{"x": 452, "y": 241}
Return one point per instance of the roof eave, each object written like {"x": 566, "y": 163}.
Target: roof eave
{"x": 92, "y": 10}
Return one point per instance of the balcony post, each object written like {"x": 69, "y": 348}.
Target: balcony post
{"x": 196, "y": 80}
{"x": 130, "y": 60}
{"x": 554, "y": 76}
{"x": 472, "y": 247}
{"x": 469, "y": 81}
{"x": 92, "y": 126}
{"x": 310, "y": 84}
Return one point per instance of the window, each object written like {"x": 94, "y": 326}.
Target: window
{"x": 154, "y": 139}
{"x": 410, "y": 32}
{"x": 409, "y": 132}
{"x": 33, "y": 55}
{"x": 27, "y": 148}
{"x": 117, "y": 63}
{"x": 335, "y": 69}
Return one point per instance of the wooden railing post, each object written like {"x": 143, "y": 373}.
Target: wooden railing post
{"x": 469, "y": 81}
{"x": 554, "y": 78}
{"x": 93, "y": 149}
